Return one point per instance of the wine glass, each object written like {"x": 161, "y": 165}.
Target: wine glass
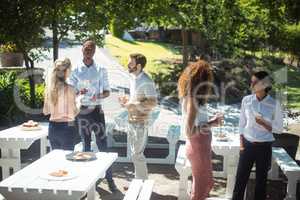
{"x": 220, "y": 113}
{"x": 123, "y": 98}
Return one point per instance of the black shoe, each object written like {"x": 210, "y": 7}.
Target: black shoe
{"x": 112, "y": 186}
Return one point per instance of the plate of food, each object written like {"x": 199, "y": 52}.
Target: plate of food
{"x": 222, "y": 137}
{"x": 81, "y": 156}
{"x": 30, "y": 126}
{"x": 58, "y": 175}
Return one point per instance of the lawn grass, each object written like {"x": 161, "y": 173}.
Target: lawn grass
{"x": 156, "y": 52}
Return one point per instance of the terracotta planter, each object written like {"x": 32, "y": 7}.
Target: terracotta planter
{"x": 11, "y": 59}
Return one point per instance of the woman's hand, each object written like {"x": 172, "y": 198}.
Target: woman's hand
{"x": 263, "y": 123}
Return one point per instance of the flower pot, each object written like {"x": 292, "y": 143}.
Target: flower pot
{"x": 11, "y": 59}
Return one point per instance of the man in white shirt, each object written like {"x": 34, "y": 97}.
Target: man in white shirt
{"x": 91, "y": 83}
{"x": 142, "y": 100}
{"x": 261, "y": 116}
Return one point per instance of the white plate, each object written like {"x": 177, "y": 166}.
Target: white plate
{"x": 46, "y": 175}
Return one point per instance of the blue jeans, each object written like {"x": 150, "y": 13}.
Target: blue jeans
{"x": 62, "y": 135}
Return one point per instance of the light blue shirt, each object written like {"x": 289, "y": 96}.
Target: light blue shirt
{"x": 93, "y": 78}
{"x": 269, "y": 109}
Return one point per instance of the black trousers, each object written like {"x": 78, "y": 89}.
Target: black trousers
{"x": 261, "y": 155}
{"x": 92, "y": 120}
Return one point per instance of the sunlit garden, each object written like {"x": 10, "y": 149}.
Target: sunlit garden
{"x": 150, "y": 99}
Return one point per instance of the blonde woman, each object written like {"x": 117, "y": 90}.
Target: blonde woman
{"x": 60, "y": 104}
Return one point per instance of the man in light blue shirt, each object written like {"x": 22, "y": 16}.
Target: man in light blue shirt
{"x": 91, "y": 83}
{"x": 261, "y": 116}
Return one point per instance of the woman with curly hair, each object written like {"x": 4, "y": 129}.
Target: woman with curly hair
{"x": 194, "y": 87}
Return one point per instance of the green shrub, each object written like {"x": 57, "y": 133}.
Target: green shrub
{"x": 10, "y": 113}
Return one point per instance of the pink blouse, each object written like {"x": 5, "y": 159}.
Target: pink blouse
{"x": 65, "y": 109}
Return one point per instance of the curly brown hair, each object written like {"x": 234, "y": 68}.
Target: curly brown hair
{"x": 196, "y": 80}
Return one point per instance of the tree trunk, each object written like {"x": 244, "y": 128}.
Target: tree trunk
{"x": 29, "y": 66}
{"x": 55, "y": 41}
{"x": 184, "y": 36}
{"x": 162, "y": 34}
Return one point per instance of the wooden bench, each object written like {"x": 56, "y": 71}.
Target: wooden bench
{"x": 139, "y": 190}
{"x": 289, "y": 167}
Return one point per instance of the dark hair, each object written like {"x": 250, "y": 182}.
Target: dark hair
{"x": 89, "y": 40}
{"x": 139, "y": 59}
{"x": 263, "y": 75}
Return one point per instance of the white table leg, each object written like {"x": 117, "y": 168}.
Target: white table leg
{"x": 231, "y": 174}
{"x": 5, "y": 154}
{"x": 183, "y": 184}
{"x": 16, "y": 156}
{"x": 225, "y": 162}
{"x": 91, "y": 195}
{"x": 172, "y": 138}
{"x": 274, "y": 172}
{"x": 43, "y": 146}
{"x": 291, "y": 188}
{"x": 128, "y": 153}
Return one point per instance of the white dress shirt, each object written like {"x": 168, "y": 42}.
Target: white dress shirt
{"x": 269, "y": 109}
{"x": 93, "y": 78}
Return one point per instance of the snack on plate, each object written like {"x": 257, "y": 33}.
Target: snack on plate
{"x": 30, "y": 124}
{"x": 59, "y": 173}
{"x": 81, "y": 155}
{"x": 222, "y": 135}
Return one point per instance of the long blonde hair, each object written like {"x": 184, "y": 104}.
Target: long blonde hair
{"x": 58, "y": 78}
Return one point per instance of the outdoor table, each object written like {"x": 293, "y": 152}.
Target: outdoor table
{"x": 12, "y": 140}
{"x": 230, "y": 152}
{"x": 228, "y": 149}
{"x": 27, "y": 184}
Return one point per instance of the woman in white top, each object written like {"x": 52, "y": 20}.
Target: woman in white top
{"x": 194, "y": 87}
{"x": 261, "y": 116}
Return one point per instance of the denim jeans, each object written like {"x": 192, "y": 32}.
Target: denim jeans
{"x": 62, "y": 135}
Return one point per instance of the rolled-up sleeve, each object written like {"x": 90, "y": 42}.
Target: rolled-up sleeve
{"x": 105, "y": 82}
{"x": 277, "y": 122}
{"x": 243, "y": 120}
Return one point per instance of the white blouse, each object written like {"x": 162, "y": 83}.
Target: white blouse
{"x": 269, "y": 109}
{"x": 201, "y": 117}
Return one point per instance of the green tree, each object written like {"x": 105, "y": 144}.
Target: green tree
{"x": 83, "y": 18}
{"x": 21, "y": 22}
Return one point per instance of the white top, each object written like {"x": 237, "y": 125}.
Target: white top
{"x": 269, "y": 109}
{"x": 142, "y": 86}
{"x": 93, "y": 78}
{"x": 201, "y": 117}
